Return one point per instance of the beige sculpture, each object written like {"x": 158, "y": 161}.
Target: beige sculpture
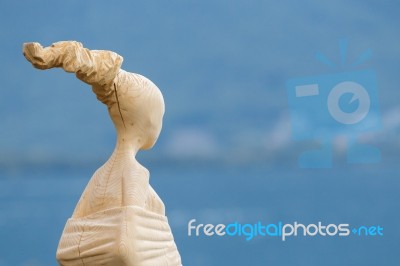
{"x": 119, "y": 219}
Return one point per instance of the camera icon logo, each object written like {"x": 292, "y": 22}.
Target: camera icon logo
{"x": 328, "y": 106}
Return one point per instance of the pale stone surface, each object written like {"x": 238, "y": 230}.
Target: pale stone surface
{"x": 119, "y": 219}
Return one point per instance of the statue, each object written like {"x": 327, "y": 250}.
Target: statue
{"x": 119, "y": 219}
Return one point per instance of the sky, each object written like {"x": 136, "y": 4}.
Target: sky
{"x": 221, "y": 66}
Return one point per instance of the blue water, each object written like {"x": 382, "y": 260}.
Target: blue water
{"x": 36, "y": 202}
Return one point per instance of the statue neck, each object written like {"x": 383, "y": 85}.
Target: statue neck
{"x": 127, "y": 146}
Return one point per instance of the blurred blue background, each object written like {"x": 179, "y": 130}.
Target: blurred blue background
{"x": 225, "y": 153}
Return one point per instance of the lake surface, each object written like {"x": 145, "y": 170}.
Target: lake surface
{"x": 36, "y": 202}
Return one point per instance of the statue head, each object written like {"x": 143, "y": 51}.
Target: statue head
{"x": 138, "y": 111}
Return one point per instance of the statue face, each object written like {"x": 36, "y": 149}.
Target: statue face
{"x": 153, "y": 125}
{"x": 138, "y": 114}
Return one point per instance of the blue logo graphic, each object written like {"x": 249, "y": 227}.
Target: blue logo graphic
{"x": 338, "y": 104}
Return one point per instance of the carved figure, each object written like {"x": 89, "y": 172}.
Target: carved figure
{"x": 119, "y": 219}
